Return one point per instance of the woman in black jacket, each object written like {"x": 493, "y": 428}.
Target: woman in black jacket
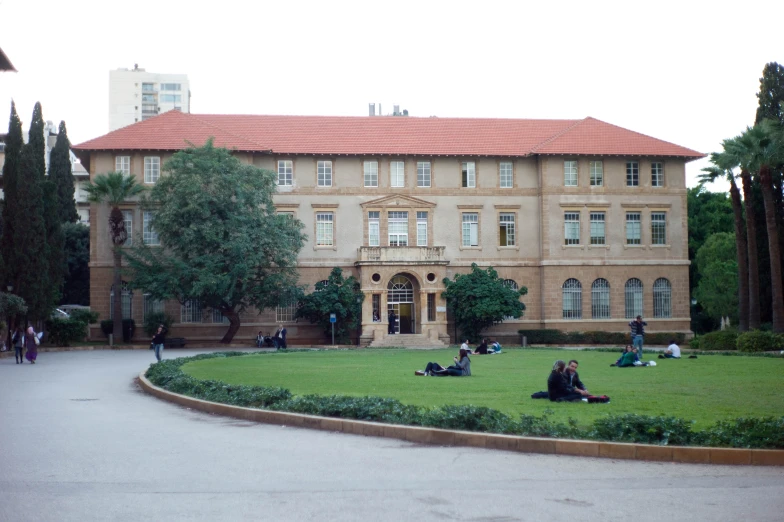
{"x": 157, "y": 341}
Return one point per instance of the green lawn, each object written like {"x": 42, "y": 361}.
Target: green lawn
{"x": 705, "y": 389}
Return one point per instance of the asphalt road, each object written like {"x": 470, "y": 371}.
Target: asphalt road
{"x": 81, "y": 442}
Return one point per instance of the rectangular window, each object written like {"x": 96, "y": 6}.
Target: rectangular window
{"x": 632, "y": 174}
{"x": 122, "y": 164}
{"x": 421, "y": 228}
{"x": 431, "y": 307}
{"x": 396, "y": 174}
{"x": 285, "y": 173}
{"x": 505, "y": 176}
{"x": 126, "y": 300}
{"x": 506, "y": 232}
{"x": 572, "y": 228}
{"x": 398, "y": 228}
{"x": 657, "y": 174}
{"x": 376, "y": 308}
{"x": 148, "y": 87}
{"x": 423, "y": 173}
{"x": 285, "y": 314}
{"x": 152, "y": 169}
{"x": 148, "y": 98}
{"x": 470, "y": 229}
{"x": 151, "y": 306}
{"x": 190, "y": 312}
{"x": 371, "y": 173}
{"x": 218, "y": 318}
{"x": 128, "y": 221}
{"x": 324, "y": 169}
{"x": 658, "y": 228}
{"x": 597, "y": 173}
{"x": 469, "y": 174}
{"x": 171, "y": 87}
{"x": 148, "y": 234}
{"x": 570, "y": 173}
{"x": 374, "y": 229}
{"x": 324, "y": 231}
{"x": 597, "y": 228}
{"x": 633, "y": 230}
{"x": 171, "y": 98}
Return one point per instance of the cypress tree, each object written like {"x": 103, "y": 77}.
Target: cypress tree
{"x": 61, "y": 174}
{"x": 37, "y": 143}
{"x": 30, "y": 243}
{"x": 11, "y": 217}
{"x": 55, "y": 247}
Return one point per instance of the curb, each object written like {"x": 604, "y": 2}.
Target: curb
{"x": 435, "y": 436}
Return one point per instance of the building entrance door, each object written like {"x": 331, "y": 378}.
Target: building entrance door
{"x": 400, "y": 299}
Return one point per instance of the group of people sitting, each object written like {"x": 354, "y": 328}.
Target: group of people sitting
{"x": 276, "y": 340}
{"x": 462, "y": 362}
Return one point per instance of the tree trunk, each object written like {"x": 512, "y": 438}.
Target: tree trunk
{"x": 751, "y": 238}
{"x": 742, "y": 251}
{"x": 117, "y": 330}
{"x": 234, "y": 325}
{"x": 775, "y": 252}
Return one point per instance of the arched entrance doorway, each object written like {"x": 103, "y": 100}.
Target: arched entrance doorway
{"x": 401, "y": 300}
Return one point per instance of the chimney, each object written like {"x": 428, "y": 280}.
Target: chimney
{"x": 371, "y": 109}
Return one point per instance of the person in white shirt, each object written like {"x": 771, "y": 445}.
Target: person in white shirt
{"x": 673, "y": 351}
{"x": 465, "y": 346}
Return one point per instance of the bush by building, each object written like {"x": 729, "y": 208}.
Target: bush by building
{"x": 590, "y": 338}
{"x": 760, "y": 341}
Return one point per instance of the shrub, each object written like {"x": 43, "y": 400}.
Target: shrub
{"x": 664, "y": 338}
{"x": 767, "y": 432}
{"x": 533, "y": 426}
{"x": 719, "y": 340}
{"x": 151, "y": 322}
{"x": 759, "y": 341}
{"x": 544, "y": 336}
{"x": 84, "y": 315}
{"x": 591, "y": 338}
{"x": 469, "y": 418}
{"x": 63, "y": 332}
{"x": 644, "y": 429}
{"x": 129, "y": 327}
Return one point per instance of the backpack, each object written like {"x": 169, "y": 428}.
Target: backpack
{"x": 598, "y": 398}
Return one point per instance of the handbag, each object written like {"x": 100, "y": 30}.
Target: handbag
{"x": 37, "y": 341}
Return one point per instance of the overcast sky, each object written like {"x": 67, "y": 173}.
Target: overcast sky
{"x": 685, "y": 71}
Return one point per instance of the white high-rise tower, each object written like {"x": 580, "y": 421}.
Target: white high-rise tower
{"x": 136, "y": 95}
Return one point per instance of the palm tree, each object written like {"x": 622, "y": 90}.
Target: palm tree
{"x": 736, "y": 150}
{"x": 764, "y": 152}
{"x": 114, "y": 189}
{"x": 723, "y": 166}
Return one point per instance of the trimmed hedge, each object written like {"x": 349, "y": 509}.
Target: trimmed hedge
{"x": 739, "y": 433}
{"x": 720, "y": 340}
{"x": 63, "y": 332}
{"x": 617, "y": 338}
{"x": 760, "y": 341}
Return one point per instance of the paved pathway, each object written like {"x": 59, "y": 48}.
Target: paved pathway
{"x": 81, "y": 442}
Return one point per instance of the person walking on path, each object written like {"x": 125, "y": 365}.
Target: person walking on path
{"x": 18, "y": 341}
{"x": 157, "y": 341}
{"x": 31, "y": 343}
{"x": 638, "y": 331}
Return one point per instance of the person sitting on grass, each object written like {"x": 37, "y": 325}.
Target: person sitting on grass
{"x": 673, "y": 351}
{"x": 572, "y": 377}
{"x": 625, "y": 351}
{"x": 482, "y": 348}
{"x": 630, "y": 359}
{"x": 558, "y": 388}
{"x": 495, "y": 347}
{"x": 461, "y": 368}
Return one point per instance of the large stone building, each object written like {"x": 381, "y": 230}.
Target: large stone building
{"x": 590, "y": 217}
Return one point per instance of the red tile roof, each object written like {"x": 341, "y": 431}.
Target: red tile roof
{"x": 367, "y": 135}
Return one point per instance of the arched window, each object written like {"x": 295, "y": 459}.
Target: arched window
{"x": 400, "y": 290}
{"x": 127, "y": 302}
{"x": 633, "y": 293}
{"x": 600, "y": 299}
{"x": 572, "y": 299}
{"x": 662, "y": 298}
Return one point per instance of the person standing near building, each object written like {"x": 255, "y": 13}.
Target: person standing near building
{"x": 638, "y": 332}
{"x": 31, "y": 343}
{"x": 157, "y": 341}
{"x": 18, "y": 341}
{"x": 392, "y": 320}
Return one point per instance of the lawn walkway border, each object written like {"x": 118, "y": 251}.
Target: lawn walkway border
{"x": 442, "y": 437}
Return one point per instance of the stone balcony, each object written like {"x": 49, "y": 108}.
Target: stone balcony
{"x": 412, "y": 255}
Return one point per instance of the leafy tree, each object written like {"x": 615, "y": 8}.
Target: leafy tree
{"x": 771, "y": 94}
{"x": 222, "y": 243}
{"x": 61, "y": 174}
{"x": 12, "y": 305}
{"x": 709, "y": 213}
{"x": 114, "y": 189}
{"x": 76, "y": 289}
{"x": 12, "y": 220}
{"x": 339, "y": 296}
{"x": 716, "y": 261}
{"x": 480, "y": 299}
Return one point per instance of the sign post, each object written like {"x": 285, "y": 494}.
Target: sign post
{"x": 333, "y": 320}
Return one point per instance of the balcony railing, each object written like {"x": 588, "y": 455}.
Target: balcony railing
{"x": 397, "y": 255}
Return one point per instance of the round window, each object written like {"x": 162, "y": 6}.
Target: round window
{"x": 376, "y": 278}
{"x": 431, "y": 277}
